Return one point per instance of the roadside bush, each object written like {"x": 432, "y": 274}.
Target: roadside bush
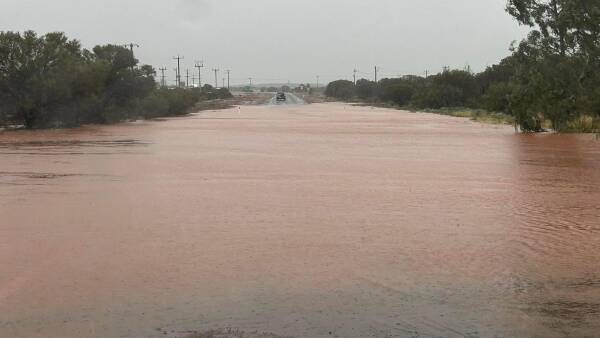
{"x": 341, "y": 89}
{"x": 583, "y": 124}
{"x": 49, "y": 81}
{"x": 154, "y": 105}
{"x": 497, "y": 97}
{"x": 399, "y": 93}
{"x": 365, "y": 89}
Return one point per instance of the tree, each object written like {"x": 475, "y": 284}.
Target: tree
{"x": 37, "y": 77}
{"x": 398, "y": 91}
{"x": 341, "y": 89}
{"x": 559, "y": 60}
{"x": 365, "y": 89}
{"x": 50, "y": 81}
{"x": 451, "y": 88}
{"x": 501, "y": 73}
{"x": 497, "y": 97}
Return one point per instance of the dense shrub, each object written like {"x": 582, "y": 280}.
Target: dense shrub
{"x": 552, "y": 76}
{"x": 340, "y": 89}
{"x": 50, "y": 81}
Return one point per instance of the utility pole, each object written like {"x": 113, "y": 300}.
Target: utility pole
{"x": 376, "y": 74}
{"x": 177, "y": 82}
{"x": 355, "y": 71}
{"x": 318, "y": 81}
{"x": 187, "y": 78}
{"x": 178, "y": 58}
{"x": 131, "y": 45}
{"x": 426, "y": 73}
{"x": 223, "y": 83}
{"x": 228, "y": 72}
{"x": 194, "y": 81}
{"x": 199, "y": 65}
{"x": 250, "y": 79}
{"x": 216, "y": 76}
{"x": 162, "y": 78}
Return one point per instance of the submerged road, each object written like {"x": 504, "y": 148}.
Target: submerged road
{"x": 291, "y": 99}
{"x": 322, "y": 220}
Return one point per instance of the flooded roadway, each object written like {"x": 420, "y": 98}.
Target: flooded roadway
{"x": 319, "y": 220}
{"x": 290, "y": 99}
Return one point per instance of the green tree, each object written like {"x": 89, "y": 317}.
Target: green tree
{"x": 37, "y": 77}
{"x": 341, "y": 89}
{"x": 451, "y": 88}
{"x": 365, "y": 89}
{"x": 559, "y": 60}
{"x": 497, "y": 97}
{"x": 398, "y": 91}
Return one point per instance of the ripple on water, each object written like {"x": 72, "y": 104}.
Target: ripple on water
{"x": 67, "y": 147}
{"x": 219, "y": 333}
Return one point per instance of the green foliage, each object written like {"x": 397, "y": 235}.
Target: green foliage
{"x": 400, "y": 91}
{"x": 50, "y": 81}
{"x": 210, "y": 93}
{"x": 365, "y": 89}
{"x": 37, "y": 75}
{"x": 558, "y": 63}
{"x": 552, "y": 77}
{"x": 451, "y": 88}
{"x": 497, "y": 97}
{"x": 341, "y": 89}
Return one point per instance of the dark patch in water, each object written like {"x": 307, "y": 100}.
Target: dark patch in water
{"x": 71, "y": 143}
{"x": 66, "y": 147}
{"x": 572, "y": 311}
{"x": 35, "y": 175}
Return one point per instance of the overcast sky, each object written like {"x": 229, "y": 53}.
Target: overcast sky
{"x": 281, "y": 40}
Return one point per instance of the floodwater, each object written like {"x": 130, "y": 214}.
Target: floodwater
{"x": 320, "y": 220}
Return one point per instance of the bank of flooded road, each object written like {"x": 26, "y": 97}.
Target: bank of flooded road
{"x": 301, "y": 220}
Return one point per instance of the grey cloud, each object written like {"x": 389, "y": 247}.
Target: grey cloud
{"x": 285, "y": 39}
{"x": 193, "y": 10}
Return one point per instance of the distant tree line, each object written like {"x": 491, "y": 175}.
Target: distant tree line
{"x": 301, "y": 88}
{"x": 552, "y": 76}
{"x": 51, "y": 81}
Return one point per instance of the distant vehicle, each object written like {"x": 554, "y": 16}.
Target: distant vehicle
{"x": 281, "y": 97}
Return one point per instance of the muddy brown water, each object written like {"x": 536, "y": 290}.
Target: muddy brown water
{"x": 307, "y": 221}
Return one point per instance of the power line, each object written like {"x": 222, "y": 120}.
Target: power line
{"x": 216, "y": 77}
{"x": 199, "y": 65}
{"x": 178, "y": 58}
{"x": 131, "y": 45}
{"x": 162, "y": 79}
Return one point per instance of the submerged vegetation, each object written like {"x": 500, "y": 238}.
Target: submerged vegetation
{"x": 552, "y": 78}
{"x": 51, "y": 81}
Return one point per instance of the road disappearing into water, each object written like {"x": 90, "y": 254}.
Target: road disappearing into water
{"x": 290, "y": 99}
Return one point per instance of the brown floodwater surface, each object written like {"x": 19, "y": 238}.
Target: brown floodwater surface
{"x": 307, "y": 221}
